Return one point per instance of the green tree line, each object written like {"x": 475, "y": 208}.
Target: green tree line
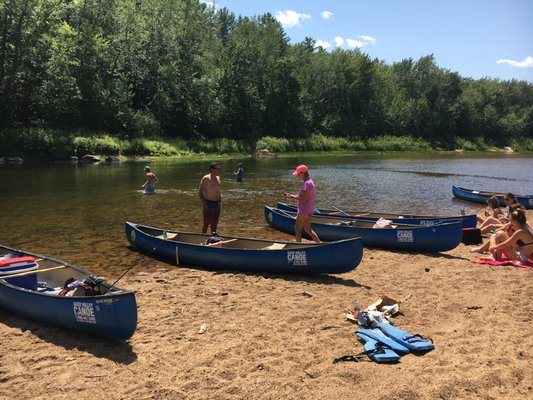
{"x": 178, "y": 69}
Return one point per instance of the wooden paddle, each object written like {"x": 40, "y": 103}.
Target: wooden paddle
{"x": 285, "y": 213}
{"x": 339, "y": 210}
{"x": 350, "y": 215}
{"x": 32, "y": 272}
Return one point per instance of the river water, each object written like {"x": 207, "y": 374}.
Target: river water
{"x": 76, "y": 212}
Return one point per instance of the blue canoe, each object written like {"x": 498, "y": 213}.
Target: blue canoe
{"x": 396, "y": 236}
{"x": 246, "y": 254}
{"x": 476, "y": 196}
{"x": 33, "y": 286}
{"x": 468, "y": 221}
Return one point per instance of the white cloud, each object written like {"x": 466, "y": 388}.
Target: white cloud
{"x": 354, "y": 43}
{"x": 326, "y": 14}
{"x": 290, "y": 19}
{"x": 527, "y": 63}
{"x": 210, "y": 4}
{"x": 323, "y": 44}
{"x": 367, "y": 39}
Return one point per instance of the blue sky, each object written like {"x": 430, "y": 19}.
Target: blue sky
{"x": 476, "y": 38}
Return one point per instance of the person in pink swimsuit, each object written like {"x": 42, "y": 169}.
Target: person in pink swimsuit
{"x": 306, "y": 204}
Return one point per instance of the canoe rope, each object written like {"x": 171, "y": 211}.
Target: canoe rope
{"x": 133, "y": 265}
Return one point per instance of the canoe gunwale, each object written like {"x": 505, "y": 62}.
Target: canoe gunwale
{"x": 468, "y": 220}
{"x": 206, "y": 236}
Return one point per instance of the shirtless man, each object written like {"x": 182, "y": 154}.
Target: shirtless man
{"x": 151, "y": 180}
{"x": 210, "y": 195}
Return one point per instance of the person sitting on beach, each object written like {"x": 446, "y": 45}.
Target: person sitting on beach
{"x": 492, "y": 224}
{"x": 515, "y": 243}
{"x": 511, "y": 204}
{"x": 151, "y": 180}
{"x": 484, "y": 248}
{"x": 494, "y": 215}
{"x": 510, "y": 201}
{"x": 492, "y": 211}
{"x": 497, "y": 227}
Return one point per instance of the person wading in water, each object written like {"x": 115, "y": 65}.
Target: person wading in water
{"x": 211, "y": 197}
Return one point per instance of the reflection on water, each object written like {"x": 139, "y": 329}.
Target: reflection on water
{"x": 77, "y": 212}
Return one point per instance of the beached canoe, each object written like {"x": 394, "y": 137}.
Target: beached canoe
{"x": 395, "y": 236}
{"x": 246, "y": 254}
{"x": 34, "y": 286}
{"x": 468, "y": 221}
{"x": 482, "y": 197}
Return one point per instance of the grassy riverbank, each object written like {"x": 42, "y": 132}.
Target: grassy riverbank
{"x": 54, "y": 144}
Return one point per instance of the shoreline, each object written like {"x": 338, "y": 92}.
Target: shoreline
{"x": 111, "y": 159}
{"x": 223, "y": 334}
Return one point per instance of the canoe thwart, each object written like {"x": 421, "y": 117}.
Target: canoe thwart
{"x": 169, "y": 235}
{"x": 274, "y": 246}
{"x": 222, "y": 243}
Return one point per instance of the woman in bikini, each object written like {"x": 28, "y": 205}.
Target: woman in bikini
{"x": 518, "y": 245}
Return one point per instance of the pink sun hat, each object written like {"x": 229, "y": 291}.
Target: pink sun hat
{"x": 300, "y": 169}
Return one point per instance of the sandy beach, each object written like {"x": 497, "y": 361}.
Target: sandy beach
{"x": 226, "y": 335}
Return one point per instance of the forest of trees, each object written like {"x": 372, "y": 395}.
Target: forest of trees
{"x": 178, "y": 69}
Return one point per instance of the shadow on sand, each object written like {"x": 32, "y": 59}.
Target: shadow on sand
{"x": 310, "y": 278}
{"x": 114, "y": 350}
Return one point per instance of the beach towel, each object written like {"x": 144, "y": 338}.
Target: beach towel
{"x": 504, "y": 261}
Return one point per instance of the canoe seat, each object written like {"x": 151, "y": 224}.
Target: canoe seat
{"x": 274, "y": 246}
{"x": 346, "y": 223}
{"x": 169, "y": 236}
{"x": 222, "y": 243}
